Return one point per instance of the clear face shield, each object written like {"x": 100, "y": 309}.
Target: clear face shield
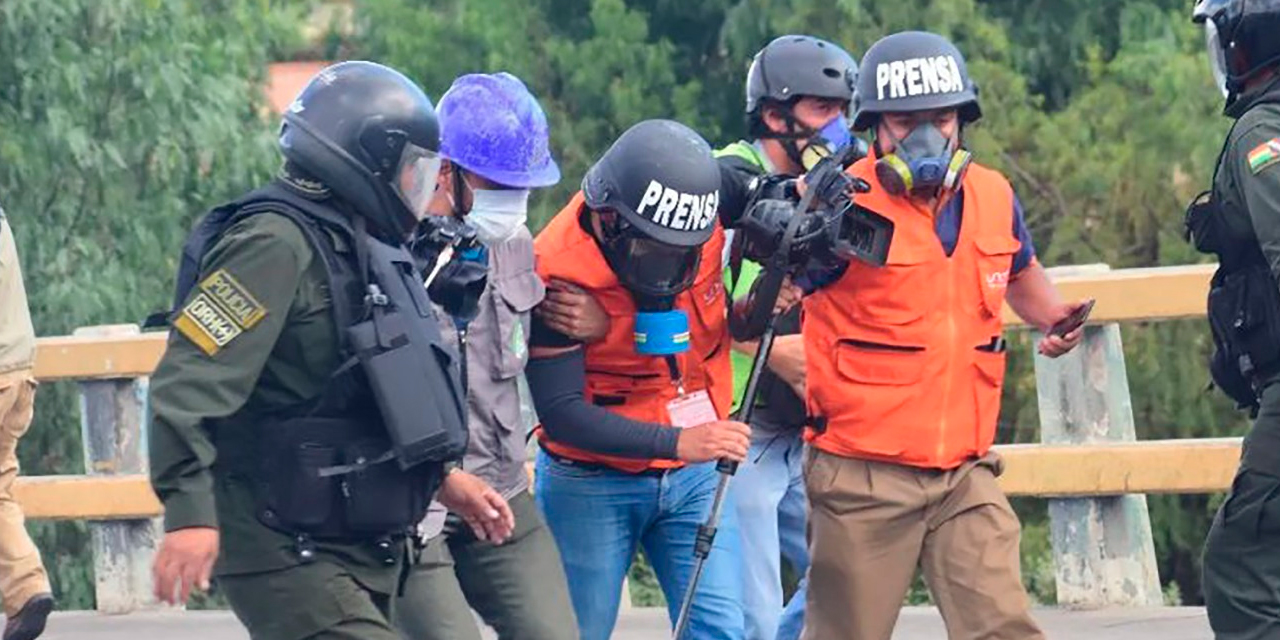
{"x": 415, "y": 181}
{"x": 1217, "y": 59}
{"x": 1206, "y": 12}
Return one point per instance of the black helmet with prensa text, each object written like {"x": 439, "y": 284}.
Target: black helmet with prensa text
{"x": 913, "y": 71}
{"x": 657, "y": 189}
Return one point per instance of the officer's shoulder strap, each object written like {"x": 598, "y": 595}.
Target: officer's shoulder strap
{"x": 312, "y": 218}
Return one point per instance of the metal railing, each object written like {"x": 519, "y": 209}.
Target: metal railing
{"x": 1089, "y": 464}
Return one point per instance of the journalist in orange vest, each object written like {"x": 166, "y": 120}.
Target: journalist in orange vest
{"x": 631, "y": 424}
{"x": 906, "y": 363}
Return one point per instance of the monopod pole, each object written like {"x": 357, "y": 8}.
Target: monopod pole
{"x": 707, "y": 532}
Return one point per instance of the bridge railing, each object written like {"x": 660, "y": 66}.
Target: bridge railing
{"x": 1089, "y": 465}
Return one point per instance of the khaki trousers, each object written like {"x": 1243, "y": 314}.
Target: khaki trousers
{"x": 22, "y": 574}
{"x": 872, "y": 524}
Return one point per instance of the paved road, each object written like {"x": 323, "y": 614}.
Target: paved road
{"x": 651, "y": 624}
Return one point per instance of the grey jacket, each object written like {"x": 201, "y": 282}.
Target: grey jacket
{"x": 497, "y": 350}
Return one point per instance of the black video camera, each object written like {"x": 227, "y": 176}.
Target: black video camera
{"x": 833, "y": 229}
{"x": 453, "y": 263}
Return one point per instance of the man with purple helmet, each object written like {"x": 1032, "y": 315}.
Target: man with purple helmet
{"x": 495, "y": 149}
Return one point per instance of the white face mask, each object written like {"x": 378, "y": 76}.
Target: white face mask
{"x": 496, "y": 214}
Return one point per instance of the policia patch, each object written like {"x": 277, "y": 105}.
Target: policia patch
{"x": 1264, "y": 155}
{"x": 221, "y": 310}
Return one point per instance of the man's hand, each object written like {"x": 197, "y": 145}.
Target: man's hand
{"x": 714, "y": 440}
{"x": 184, "y": 562}
{"x": 788, "y": 296}
{"x": 1053, "y": 346}
{"x": 573, "y": 312}
{"x": 484, "y": 509}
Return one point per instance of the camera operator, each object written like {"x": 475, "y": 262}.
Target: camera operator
{"x": 905, "y": 367}
{"x": 798, "y": 91}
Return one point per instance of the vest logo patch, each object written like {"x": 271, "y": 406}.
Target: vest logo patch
{"x": 918, "y": 77}
{"x": 221, "y": 311}
{"x": 676, "y": 210}
{"x": 518, "y": 344}
{"x": 713, "y": 292}
{"x": 1264, "y": 155}
{"x": 998, "y": 280}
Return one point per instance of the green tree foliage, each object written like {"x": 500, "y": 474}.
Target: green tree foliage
{"x": 122, "y": 120}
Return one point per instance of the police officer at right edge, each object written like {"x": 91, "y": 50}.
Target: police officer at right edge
{"x": 306, "y": 409}
{"x": 1240, "y": 222}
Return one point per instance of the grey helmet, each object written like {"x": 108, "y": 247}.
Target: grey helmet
{"x": 797, "y": 65}
{"x": 913, "y": 71}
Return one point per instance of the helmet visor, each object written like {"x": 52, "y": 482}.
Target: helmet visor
{"x": 661, "y": 267}
{"x": 645, "y": 265}
{"x": 1217, "y": 58}
{"x": 415, "y": 181}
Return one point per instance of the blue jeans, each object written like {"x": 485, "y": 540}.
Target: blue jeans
{"x": 769, "y": 490}
{"x": 599, "y": 516}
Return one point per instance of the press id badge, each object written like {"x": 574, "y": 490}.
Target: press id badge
{"x": 691, "y": 410}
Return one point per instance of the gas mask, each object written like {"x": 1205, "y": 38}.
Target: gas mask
{"x": 923, "y": 163}
{"x": 655, "y": 273}
{"x": 830, "y": 140}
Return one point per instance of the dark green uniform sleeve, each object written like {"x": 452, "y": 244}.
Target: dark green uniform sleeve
{"x": 221, "y": 339}
{"x": 1256, "y": 154}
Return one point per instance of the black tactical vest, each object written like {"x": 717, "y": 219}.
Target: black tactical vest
{"x": 1244, "y": 300}
{"x": 364, "y": 458}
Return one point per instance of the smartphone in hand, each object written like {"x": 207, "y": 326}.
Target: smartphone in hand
{"x": 1073, "y": 321}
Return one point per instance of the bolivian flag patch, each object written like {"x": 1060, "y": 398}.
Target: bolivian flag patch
{"x": 1264, "y": 155}
{"x": 221, "y": 310}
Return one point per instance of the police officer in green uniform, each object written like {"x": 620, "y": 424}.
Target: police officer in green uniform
{"x": 799, "y": 89}
{"x": 306, "y": 409}
{"x": 1240, "y": 222}
{"x": 495, "y": 147}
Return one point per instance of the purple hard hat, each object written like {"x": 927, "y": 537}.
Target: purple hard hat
{"x": 492, "y": 126}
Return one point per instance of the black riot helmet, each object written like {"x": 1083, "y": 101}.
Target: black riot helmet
{"x": 369, "y": 134}
{"x": 1243, "y": 37}
{"x": 913, "y": 71}
{"x": 656, "y": 190}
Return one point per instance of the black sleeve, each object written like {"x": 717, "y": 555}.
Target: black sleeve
{"x": 557, "y": 384}
{"x": 540, "y": 335}
{"x": 736, "y": 175}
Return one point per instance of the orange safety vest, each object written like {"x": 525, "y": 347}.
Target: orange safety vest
{"x": 896, "y": 371}
{"x": 618, "y": 379}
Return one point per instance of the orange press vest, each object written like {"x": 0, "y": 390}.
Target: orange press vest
{"x": 897, "y": 371}
{"x": 618, "y": 379}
